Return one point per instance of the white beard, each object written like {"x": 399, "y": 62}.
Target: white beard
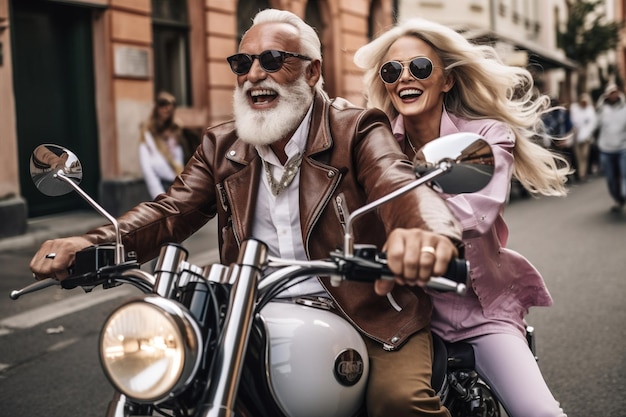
{"x": 263, "y": 127}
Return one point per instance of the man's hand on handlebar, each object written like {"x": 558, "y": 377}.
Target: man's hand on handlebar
{"x": 414, "y": 256}
{"x": 54, "y": 257}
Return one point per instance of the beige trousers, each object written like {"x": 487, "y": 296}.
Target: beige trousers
{"x": 399, "y": 381}
{"x": 581, "y": 153}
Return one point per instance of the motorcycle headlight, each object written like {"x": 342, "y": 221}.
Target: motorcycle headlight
{"x": 150, "y": 348}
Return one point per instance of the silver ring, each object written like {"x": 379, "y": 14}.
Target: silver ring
{"x": 51, "y": 255}
{"x": 428, "y": 249}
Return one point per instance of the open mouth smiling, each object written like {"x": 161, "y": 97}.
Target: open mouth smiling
{"x": 263, "y": 96}
{"x": 410, "y": 93}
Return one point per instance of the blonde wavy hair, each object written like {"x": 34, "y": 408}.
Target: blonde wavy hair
{"x": 484, "y": 88}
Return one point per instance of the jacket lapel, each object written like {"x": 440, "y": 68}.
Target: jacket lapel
{"x": 242, "y": 186}
{"x": 318, "y": 179}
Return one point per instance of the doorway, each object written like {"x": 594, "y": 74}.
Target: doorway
{"x": 54, "y": 93}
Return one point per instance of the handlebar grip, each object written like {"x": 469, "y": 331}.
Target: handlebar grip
{"x": 455, "y": 279}
{"x": 458, "y": 270}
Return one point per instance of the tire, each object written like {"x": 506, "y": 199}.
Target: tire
{"x": 493, "y": 408}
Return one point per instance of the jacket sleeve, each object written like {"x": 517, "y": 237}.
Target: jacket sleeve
{"x": 384, "y": 167}
{"x": 171, "y": 217}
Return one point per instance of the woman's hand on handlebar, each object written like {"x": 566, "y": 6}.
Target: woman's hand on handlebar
{"x": 414, "y": 256}
{"x": 54, "y": 257}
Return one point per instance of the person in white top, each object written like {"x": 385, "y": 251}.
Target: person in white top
{"x": 612, "y": 143}
{"x": 161, "y": 151}
{"x": 585, "y": 121}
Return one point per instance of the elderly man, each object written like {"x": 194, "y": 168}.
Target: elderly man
{"x": 284, "y": 171}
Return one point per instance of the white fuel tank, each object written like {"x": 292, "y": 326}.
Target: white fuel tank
{"x": 317, "y": 362}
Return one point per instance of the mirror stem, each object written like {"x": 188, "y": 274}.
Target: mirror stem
{"x": 119, "y": 249}
{"x": 348, "y": 240}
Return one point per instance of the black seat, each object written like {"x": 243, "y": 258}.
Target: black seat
{"x": 460, "y": 355}
{"x": 440, "y": 360}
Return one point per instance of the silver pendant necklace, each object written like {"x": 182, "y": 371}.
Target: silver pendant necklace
{"x": 408, "y": 139}
{"x": 289, "y": 172}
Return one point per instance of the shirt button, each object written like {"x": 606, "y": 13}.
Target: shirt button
{"x": 232, "y": 153}
{"x": 395, "y": 339}
{"x": 331, "y": 174}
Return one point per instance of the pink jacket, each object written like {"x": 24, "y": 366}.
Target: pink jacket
{"x": 506, "y": 283}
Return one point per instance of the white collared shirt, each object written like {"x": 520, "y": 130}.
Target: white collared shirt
{"x": 277, "y": 218}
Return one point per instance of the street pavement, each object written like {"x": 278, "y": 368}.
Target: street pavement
{"x": 49, "y": 362}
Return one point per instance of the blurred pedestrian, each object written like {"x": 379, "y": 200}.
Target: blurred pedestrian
{"x": 612, "y": 143}
{"x": 559, "y": 132}
{"x": 161, "y": 146}
{"x": 584, "y": 120}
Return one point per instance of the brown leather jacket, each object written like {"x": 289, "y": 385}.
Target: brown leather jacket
{"x": 351, "y": 158}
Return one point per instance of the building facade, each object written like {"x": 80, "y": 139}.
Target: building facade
{"x": 522, "y": 31}
{"x": 84, "y": 73}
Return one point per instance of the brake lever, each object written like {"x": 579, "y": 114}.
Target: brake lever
{"x": 35, "y": 286}
{"x": 103, "y": 275}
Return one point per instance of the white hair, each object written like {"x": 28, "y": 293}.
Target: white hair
{"x": 310, "y": 44}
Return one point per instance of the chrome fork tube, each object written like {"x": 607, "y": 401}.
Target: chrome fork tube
{"x": 168, "y": 267}
{"x": 219, "y": 400}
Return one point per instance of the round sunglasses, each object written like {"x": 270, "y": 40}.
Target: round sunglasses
{"x": 420, "y": 67}
{"x": 270, "y": 60}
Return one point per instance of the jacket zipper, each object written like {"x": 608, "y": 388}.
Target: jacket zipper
{"x": 339, "y": 202}
{"x": 223, "y": 198}
{"x": 308, "y": 236}
{"x": 224, "y": 201}
{"x": 340, "y": 209}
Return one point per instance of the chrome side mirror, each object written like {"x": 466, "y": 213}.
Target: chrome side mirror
{"x": 55, "y": 171}
{"x": 471, "y": 158}
{"x": 457, "y": 163}
{"x": 47, "y": 162}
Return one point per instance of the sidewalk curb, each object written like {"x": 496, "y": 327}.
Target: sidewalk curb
{"x": 51, "y": 227}
{"x": 202, "y": 246}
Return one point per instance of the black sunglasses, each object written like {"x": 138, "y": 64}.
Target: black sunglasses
{"x": 270, "y": 60}
{"x": 164, "y": 103}
{"x": 420, "y": 67}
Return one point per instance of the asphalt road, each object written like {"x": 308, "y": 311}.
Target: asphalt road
{"x": 48, "y": 355}
{"x": 580, "y": 248}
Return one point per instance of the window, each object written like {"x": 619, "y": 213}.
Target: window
{"x": 246, "y": 10}
{"x": 170, "y": 27}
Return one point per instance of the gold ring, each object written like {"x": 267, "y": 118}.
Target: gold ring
{"x": 428, "y": 249}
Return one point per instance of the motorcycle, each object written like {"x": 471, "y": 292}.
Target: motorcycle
{"x": 215, "y": 341}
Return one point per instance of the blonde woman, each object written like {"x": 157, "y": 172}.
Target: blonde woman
{"x": 431, "y": 81}
{"x": 161, "y": 151}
